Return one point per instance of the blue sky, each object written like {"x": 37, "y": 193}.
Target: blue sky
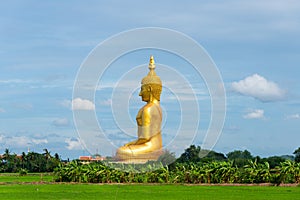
{"x": 255, "y": 45}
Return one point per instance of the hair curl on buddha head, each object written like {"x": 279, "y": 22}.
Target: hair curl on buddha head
{"x": 153, "y": 80}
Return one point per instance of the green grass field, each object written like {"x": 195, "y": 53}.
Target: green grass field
{"x": 31, "y": 177}
{"x": 24, "y": 188}
{"x": 137, "y": 192}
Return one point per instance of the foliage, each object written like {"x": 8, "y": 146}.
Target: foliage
{"x": 239, "y": 167}
{"x": 195, "y": 154}
{"x": 273, "y": 161}
{"x": 23, "y": 172}
{"x": 239, "y": 154}
{"x": 31, "y": 162}
{"x": 297, "y": 155}
{"x": 191, "y": 154}
{"x": 213, "y": 156}
{"x": 190, "y": 168}
{"x": 211, "y": 172}
{"x": 240, "y": 158}
{"x": 167, "y": 158}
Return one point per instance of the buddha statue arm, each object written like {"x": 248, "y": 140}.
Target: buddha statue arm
{"x": 151, "y": 122}
{"x": 143, "y": 122}
{"x": 144, "y": 129}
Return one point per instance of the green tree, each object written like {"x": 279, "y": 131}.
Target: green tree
{"x": 289, "y": 171}
{"x": 240, "y": 158}
{"x": 23, "y": 159}
{"x": 13, "y": 163}
{"x": 226, "y": 172}
{"x": 213, "y": 156}
{"x": 6, "y": 154}
{"x": 36, "y": 162}
{"x": 10, "y": 162}
{"x": 274, "y": 161}
{"x": 167, "y": 158}
{"x": 297, "y": 155}
{"x": 47, "y": 154}
{"x": 239, "y": 154}
{"x": 56, "y": 156}
{"x": 190, "y": 154}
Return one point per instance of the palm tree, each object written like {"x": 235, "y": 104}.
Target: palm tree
{"x": 6, "y": 154}
{"x": 297, "y": 155}
{"x": 47, "y": 154}
{"x": 56, "y": 156}
{"x": 24, "y": 159}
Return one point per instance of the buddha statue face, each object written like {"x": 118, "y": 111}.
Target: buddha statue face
{"x": 150, "y": 92}
{"x": 145, "y": 93}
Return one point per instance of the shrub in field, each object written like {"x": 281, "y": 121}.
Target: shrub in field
{"x": 23, "y": 172}
{"x": 211, "y": 172}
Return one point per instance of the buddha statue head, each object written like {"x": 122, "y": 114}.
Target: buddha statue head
{"x": 151, "y": 84}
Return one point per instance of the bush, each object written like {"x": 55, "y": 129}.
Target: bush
{"x": 23, "y": 172}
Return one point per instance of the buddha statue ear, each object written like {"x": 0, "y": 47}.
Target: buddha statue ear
{"x": 149, "y": 88}
{"x": 150, "y": 93}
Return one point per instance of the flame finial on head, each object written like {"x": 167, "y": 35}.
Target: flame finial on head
{"x": 151, "y": 63}
{"x": 151, "y": 78}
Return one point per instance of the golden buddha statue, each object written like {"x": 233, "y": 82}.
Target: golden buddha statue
{"x": 148, "y": 145}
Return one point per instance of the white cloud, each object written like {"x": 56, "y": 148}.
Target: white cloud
{"x": 66, "y": 103}
{"x": 73, "y": 144}
{"x": 107, "y": 102}
{"x": 294, "y": 116}
{"x": 17, "y": 81}
{"x": 255, "y": 114}
{"x": 82, "y": 104}
{"x": 258, "y": 87}
{"x": 16, "y": 141}
{"x": 40, "y": 141}
{"x": 23, "y": 106}
{"x": 78, "y": 104}
{"x": 20, "y": 141}
{"x": 2, "y": 110}
{"x": 61, "y": 122}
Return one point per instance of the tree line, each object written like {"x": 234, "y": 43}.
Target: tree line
{"x": 30, "y": 162}
{"x": 239, "y": 158}
{"x": 235, "y": 167}
{"x": 215, "y": 172}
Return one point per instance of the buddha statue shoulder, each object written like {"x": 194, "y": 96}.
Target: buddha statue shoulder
{"x": 148, "y": 145}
